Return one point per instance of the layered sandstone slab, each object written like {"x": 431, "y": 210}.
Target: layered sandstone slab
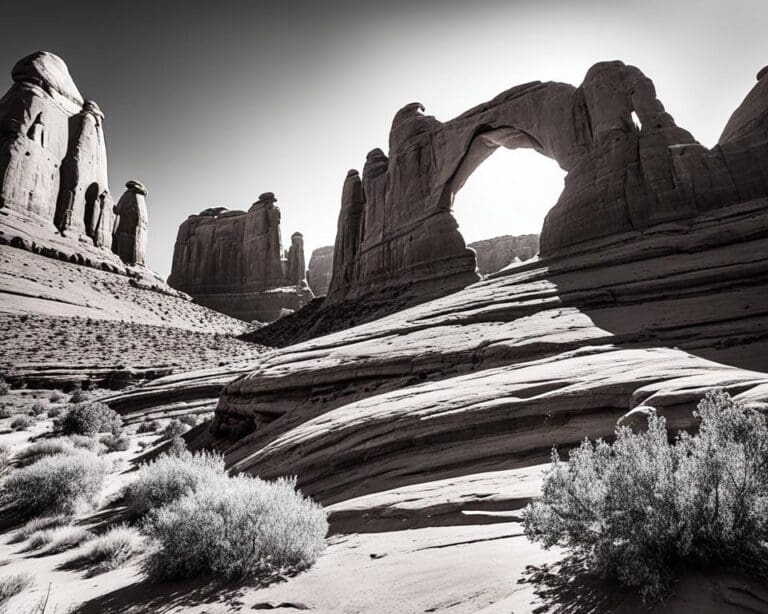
{"x": 494, "y": 254}
{"x": 232, "y": 261}
{"x": 320, "y": 270}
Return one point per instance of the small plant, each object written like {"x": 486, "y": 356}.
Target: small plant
{"x": 4, "y": 387}
{"x": 641, "y": 508}
{"x": 173, "y": 429}
{"x": 189, "y": 420}
{"x": 61, "y": 483}
{"x": 169, "y": 477}
{"x": 38, "y": 408}
{"x": 21, "y": 423}
{"x": 39, "y": 524}
{"x": 149, "y": 426}
{"x": 90, "y": 418}
{"x": 56, "y": 396}
{"x": 78, "y": 396}
{"x": 12, "y": 585}
{"x": 5, "y": 459}
{"x": 238, "y": 527}
{"x": 116, "y": 442}
{"x": 178, "y": 447}
{"x": 112, "y": 549}
{"x": 58, "y": 539}
{"x": 54, "y": 411}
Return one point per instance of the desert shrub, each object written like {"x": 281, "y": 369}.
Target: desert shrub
{"x": 61, "y": 483}
{"x": 238, "y": 527}
{"x": 90, "y": 418}
{"x": 169, "y": 477}
{"x": 21, "y": 423}
{"x": 56, "y": 396}
{"x": 173, "y": 429}
{"x": 5, "y": 458}
{"x": 116, "y": 442}
{"x": 148, "y": 427}
{"x": 641, "y": 508}
{"x": 39, "y": 524}
{"x": 38, "y": 408}
{"x": 54, "y": 411}
{"x": 178, "y": 447}
{"x": 57, "y": 445}
{"x": 58, "y": 539}
{"x": 78, "y": 396}
{"x": 113, "y": 548}
{"x": 4, "y": 387}
{"x": 189, "y": 420}
{"x": 12, "y": 585}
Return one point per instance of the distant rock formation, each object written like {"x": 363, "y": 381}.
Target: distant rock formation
{"x": 494, "y": 254}
{"x": 232, "y": 261}
{"x": 53, "y": 167}
{"x": 320, "y": 270}
{"x": 130, "y": 235}
{"x": 630, "y": 168}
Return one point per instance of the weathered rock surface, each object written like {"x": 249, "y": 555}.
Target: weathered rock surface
{"x": 232, "y": 261}
{"x": 320, "y": 270}
{"x": 494, "y": 254}
{"x": 130, "y": 236}
{"x": 54, "y": 192}
{"x": 629, "y": 168}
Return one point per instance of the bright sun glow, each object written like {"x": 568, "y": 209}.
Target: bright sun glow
{"x": 510, "y": 193}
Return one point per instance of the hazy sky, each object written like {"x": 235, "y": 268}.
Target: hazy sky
{"x": 211, "y": 103}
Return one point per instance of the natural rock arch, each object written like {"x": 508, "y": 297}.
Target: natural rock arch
{"x": 396, "y": 228}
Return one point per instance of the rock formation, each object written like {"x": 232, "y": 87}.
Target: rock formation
{"x": 130, "y": 235}
{"x": 232, "y": 261}
{"x": 629, "y": 168}
{"x": 320, "y": 270}
{"x": 53, "y": 168}
{"x": 494, "y": 254}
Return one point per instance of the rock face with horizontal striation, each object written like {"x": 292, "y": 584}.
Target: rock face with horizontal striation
{"x": 233, "y": 262}
{"x": 54, "y": 189}
{"x": 629, "y": 168}
{"x": 320, "y": 270}
{"x": 494, "y": 254}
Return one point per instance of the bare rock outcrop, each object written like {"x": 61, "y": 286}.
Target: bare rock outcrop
{"x": 629, "y": 168}
{"x": 494, "y": 254}
{"x": 320, "y": 270}
{"x": 130, "y": 235}
{"x": 54, "y": 189}
{"x": 233, "y": 262}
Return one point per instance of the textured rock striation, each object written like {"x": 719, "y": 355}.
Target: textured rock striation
{"x": 629, "y": 168}
{"x": 494, "y": 254}
{"x": 233, "y": 262}
{"x": 320, "y": 270}
{"x": 54, "y": 190}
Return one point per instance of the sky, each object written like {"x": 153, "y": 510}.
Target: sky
{"x": 212, "y": 103}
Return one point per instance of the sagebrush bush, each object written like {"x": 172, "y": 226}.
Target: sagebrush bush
{"x": 641, "y": 508}
{"x": 173, "y": 429}
{"x": 116, "y": 442}
{"x": 113, "y": 548}
{"x": 168, "y": 478}
{"x": 239, "y": 527}
{"x": 56, "y": 396}
{"x": 148, "y": 427}
{"x": 63, "y": 483}
{"x": 4, "y": 387}
{"x": 21, "y": 423}
{"x": 58, "y": 539}
{"x": 178, "y": 447}
{"x": 78, "y": 396}
{"x": 189, "y": 420}
{"x": 5, "y": 458}
{"x": 40, "y": 523}
{"x": 12, "y": 585}
{"x": 90, "y": 418}
{"x": 38, "y": 408}
{"x": 54, "y": 446}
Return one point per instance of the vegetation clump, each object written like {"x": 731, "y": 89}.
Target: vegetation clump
{"x": 12, "y": 585}
{"x": 640, "y": 509}
{"x": 113, "y": 548}
{"x": 239, "y": 527}
{"x": 90, "y": 418}
{"x": 21, "y": 423}
{"x": 56, "y": 484}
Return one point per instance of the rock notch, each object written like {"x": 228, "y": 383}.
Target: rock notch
{"x": 233, "y": 262}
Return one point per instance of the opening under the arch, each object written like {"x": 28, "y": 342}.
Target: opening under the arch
{"x": 509, "y": 193}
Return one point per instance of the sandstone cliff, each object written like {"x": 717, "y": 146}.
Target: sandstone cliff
{"x": 320, "y": 270}
{"x": 232, "y": 261}
{"x": 494, "y": 254}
